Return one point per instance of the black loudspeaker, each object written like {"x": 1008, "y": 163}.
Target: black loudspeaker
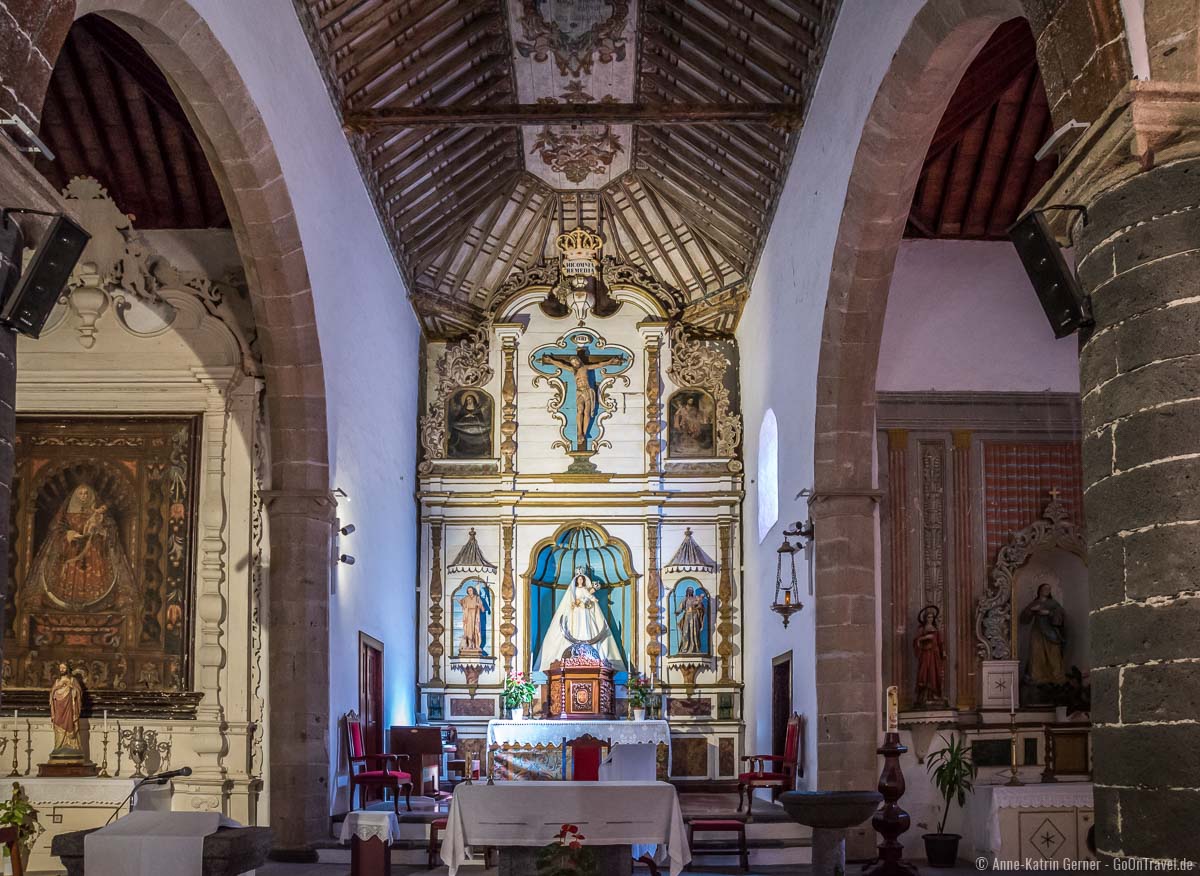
{"x": 28, "y": 307}
{"x": 1052, "y": 278}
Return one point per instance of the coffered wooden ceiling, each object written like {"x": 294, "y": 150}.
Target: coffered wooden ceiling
{"x": 484, "y": 128}
{"x": 980, "y": 170}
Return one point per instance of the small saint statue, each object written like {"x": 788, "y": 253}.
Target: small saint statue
{"x": 930, "y": 651}
{"x": 473, "y": 606}
{"x": 690, "y": 622}
{"x": 1047, "y": 636}
{"x": 66, "y": 703}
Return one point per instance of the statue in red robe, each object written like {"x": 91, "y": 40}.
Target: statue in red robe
{"x": 66, "y": 703}
{"x": 931, "y": 658}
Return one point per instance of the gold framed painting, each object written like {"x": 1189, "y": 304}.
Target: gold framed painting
{"x": 101, "y": 562}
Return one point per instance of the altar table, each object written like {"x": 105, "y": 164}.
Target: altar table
{"x": 553, "y": 732}
{"x": 529, "y": 814}
{"x": 1047, "y": 822}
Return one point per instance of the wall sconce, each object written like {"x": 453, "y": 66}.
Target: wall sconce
{"x": 787, "y": 593}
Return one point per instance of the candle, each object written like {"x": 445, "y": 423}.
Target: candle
{"x": 106, "y": 720}
{"x": 893, "y": 709}
{"x": 1012, "y": 699}
{"x": 787, "y": 597}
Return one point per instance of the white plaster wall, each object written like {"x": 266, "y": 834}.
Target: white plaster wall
{"x": 962, "y": 315}
{"x": 780, "y": 335}
{"x": 369, "y": 344}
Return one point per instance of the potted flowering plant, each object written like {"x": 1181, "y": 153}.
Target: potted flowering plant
{"x": 518, "y": 693}
{"x": 567, "y": 855}
{"x": 19, "y": 813}
{"x": 639, "y": 687}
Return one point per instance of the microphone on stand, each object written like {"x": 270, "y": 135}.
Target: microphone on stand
{"x": 156, "y": 779}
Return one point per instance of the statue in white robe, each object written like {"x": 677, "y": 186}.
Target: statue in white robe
{"x": 578, "y": 618}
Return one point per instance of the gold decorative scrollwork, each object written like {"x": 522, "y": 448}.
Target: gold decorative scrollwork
{"x": 464, "y": 364}
{"x": 699, "y": 362}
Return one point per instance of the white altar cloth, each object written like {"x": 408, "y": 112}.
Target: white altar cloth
{"x": 531, "y": 813}
{"x": 553, "y": 732}
{"x": 150, "y": 844}
{"x": 367, "y": 825}
{"x": 988, "y": 800}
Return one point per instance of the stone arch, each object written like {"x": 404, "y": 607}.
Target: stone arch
{"x": 939, "y": 45}
{"x": 299, "y": 503}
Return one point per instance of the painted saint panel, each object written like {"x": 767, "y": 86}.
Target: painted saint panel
{"x": 690, "y": 433}
{"x": 691, "y": 615}
{"x": 469, "y": 425}
{"x": 103, "y": 519}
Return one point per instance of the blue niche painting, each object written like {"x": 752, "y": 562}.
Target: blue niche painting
{"x": 580, "y": 366}
{"x": 690, "y": 620}
{"x": 471, "y": 616}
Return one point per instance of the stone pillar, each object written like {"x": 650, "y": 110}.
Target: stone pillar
{"x": 1138, "y": 258}
{"x": 301, "y": 523}
{"x": 848, "y": 692}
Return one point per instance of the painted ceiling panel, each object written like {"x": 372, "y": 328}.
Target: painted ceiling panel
{"x": 484, "y": 129}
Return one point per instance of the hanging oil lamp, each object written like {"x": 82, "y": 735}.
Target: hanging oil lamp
{"x": 787, "y": 594}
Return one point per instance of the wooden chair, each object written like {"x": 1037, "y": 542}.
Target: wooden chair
{"x": 781, "y": 777}
{"x": 9, "y": 838}
{"x": 368, "y": 770}
{"x": 719, "y": 825}
{"x": 586, "y": 753}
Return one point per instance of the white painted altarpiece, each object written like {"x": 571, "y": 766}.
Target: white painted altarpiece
{"x": 140, "y": 340}
{"x": 576, "y": 431}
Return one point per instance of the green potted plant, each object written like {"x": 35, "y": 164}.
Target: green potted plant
{"x": 639, "y": 687}
{"x": 953, "y": 773}
{"x": 518, "y": 693}
{"x": 19, "y": 813}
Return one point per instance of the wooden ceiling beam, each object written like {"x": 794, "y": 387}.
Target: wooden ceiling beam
{"x": 748, "y": 189}
{"x": 383, "y": 151}
{"x": 734, "y": 245}
{"x": 466, "y": 49}
{"x": 732, "y": 201}
{"x": 698, "y": 46}
{"x": 753, "y": 60}
{"x": 782, "y": 42}
{"x": 667, "y": 222}
{"x": 680, "y": 283}
{"x": 780, "y": 114}
{"x": 460, "y": 196}
{"x": 427, "y": 245}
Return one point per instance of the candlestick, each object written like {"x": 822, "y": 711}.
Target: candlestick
{"x": 893, "y": 709}
{"x": 28, "y": 746}
{"x": 104, "y": 763}
{"x": 1014, "y": 780}
{"x": 16, "y": 742}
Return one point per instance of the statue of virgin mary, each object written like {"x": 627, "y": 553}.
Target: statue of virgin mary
{"x": 578, "y": 618}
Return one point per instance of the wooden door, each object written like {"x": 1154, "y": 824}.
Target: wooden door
{"x": 781, "y": 700}
{"x": 370, "y": 691}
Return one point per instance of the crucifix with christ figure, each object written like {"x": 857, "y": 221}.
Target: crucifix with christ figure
{"x": 581, "y": 366}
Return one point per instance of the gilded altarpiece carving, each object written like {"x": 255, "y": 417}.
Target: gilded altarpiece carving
{"x": 585, "y": 483}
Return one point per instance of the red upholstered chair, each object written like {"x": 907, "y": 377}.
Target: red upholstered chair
{"x": 369, "y": 770}
{"x": 784, "y": 767}
{"x": 586, "y": 754}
